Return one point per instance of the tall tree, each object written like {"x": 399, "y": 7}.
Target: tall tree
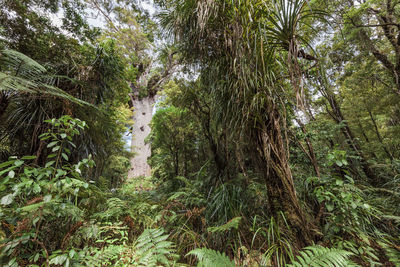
{"x": 236, "y": 48}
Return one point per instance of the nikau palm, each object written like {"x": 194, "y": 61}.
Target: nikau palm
{"x": 236, "y": 43}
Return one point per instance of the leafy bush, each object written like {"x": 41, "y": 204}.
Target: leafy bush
{"x": 41, "y": 206}
{"x": 151, "y": 248}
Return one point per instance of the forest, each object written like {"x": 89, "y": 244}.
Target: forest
{"x": 275, "y": 133}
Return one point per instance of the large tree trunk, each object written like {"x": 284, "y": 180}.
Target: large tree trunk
{"x": 273, "y": 160}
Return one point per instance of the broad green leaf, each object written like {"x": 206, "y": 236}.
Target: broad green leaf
{"x": 5, "y": 164}
{"x": 36, "y": 189}
{"x": 11, "y": 174}
{"x": 36, "y": 257}
{"x": 7, "y": 200}
{"x": 51, "y": 144}
{"x": 18, "y": 163}
{"x": 329, "y": 207}
{"x": 47, "y": 198}
{"x": 48, "y": 164}
{"x": 64, "y": 156}
{"x": 28, "y": 157}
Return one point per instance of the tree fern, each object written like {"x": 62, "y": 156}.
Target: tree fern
{"x": 20, "y": 73}
{"x": 318, "y": 256}
{"x": 211, "y": 258}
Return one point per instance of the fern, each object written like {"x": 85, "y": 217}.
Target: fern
{"x": 106, "y": 256}
{"x": 28, "y": 76}
{"x": 392, "y": 253}
{"x": 234, "y": 223}
{"x": 211, "y": 258}
{"x": 318, "y": 256}
{"x": 152, "y": 248}
{"x": 115, "y": 208}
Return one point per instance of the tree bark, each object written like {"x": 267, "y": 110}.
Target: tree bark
{"x": 272, "y": 160}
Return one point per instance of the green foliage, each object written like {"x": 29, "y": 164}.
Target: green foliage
{"x": 65, "y": 71}
{"x": 172, "y": 140}
{"x": 346, "y": 204}
{"x": 324, "y": 257}
{"x": 392, "y": 253}
{"x": 116, "y": 170}
{"x": 40, "y": 204}
{"x": 362, "y": 249}
{"x": 151, "y": 248}
{"x": 211, "y": 258}
{"x": 232, "y": 224}
{"x": 22, "y": 74}
{"x": 280, "y": 249}
{"x": 279, "y": 130}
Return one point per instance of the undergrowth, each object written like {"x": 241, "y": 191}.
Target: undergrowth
{"x": 52, "y": 216}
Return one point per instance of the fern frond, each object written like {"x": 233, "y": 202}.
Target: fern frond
{"x": 392, "y": 253}
{"x": 234, "y": 223}
{"x": 319, "y": 256}
{"x": 106, "y": 256}
{"x": 152, "y": 248}
{"x": 20, "y": 73}
{"x": 211, "y": 258}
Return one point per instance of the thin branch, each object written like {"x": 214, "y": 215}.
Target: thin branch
{"x": 110, "y": 21}
{"x": 377, "y": 25}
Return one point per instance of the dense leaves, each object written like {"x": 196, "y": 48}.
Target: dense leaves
{"x": 274, "y": 139}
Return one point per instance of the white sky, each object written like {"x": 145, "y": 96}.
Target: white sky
{"x": 99, "y": 21}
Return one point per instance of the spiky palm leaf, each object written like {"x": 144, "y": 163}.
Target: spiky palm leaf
{"x": 286, "y": 19}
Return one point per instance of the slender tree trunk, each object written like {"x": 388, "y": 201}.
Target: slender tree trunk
{"x": 218, "y": 160}
{"x": 379, "y": 135}
{"x": 4, "y": 101}
{"x": 176, "y": 156}
{"x": 365, "y": 137}
{"x": 337, "y": 115}
{"x": 310, "y": 153}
